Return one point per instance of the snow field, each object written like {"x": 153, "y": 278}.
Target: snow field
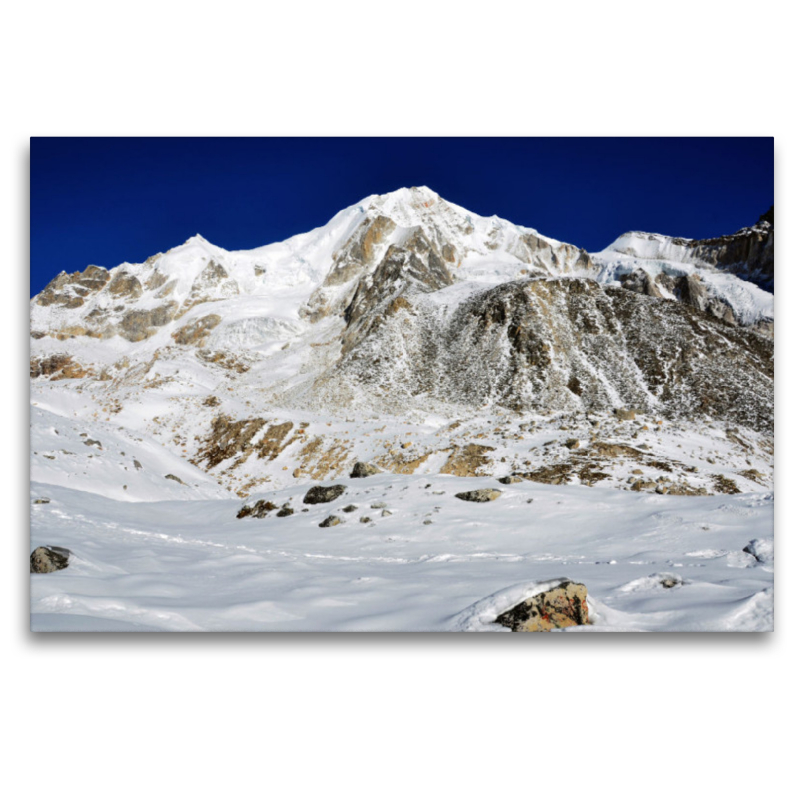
{"x": 192, "y": 566}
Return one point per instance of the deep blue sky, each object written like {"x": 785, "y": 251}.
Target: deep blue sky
{"x": 105, "y": 201}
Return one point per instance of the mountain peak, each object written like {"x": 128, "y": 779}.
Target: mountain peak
{"x": 408, "y": 199}
{"x": 197, "y": 239}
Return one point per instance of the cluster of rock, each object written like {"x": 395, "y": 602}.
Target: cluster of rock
{"x": 315, "y": 495}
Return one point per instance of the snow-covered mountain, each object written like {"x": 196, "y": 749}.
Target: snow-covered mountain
{"x": 403, "y": 306}
{"x": 447, "y": 349}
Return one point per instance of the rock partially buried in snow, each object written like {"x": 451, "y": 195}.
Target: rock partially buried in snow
{"x": 761, "y": 549}
{"x": 561, "y": 607}
{"x": 259, "y": 510}
{"x": 363, "y": 470}
{"x": 49, "y": 559}
{"x": 479, "y": 495}
{"x": 324, "y": 494}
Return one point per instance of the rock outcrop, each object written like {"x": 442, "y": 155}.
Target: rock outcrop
{"x": 479, "y": 495}
{"x": 49, "y": 559}
{"x": 323, "y": 494}
{"x": 363, "y": 470}
{"x": 561, "y": 607}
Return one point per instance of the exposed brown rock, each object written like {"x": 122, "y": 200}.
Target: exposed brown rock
{"x": 125, "y": 285}
{"x": 725, "y": 485}
{"x": 258, "y": 511}
{"x": 555, "y": 474}
{"x": 49, "y": 559}
{"x": 562, "y": 607}
{"x": 612, "y": 450}
{"x": 66, "y": 290}
{"x": 362, "y": 469}
{"x": 402, "y": 465}
{"x": 229, "y": 438}
{"x": 50, "y": 365}
{"x": 213, "y": 283}
{"x": 138, "y": 325}
{"x": 469, "y": 461}
{"x": 196, "y": 332}
{"x": 224, "y": 359}
{"x": 272, "y": 443}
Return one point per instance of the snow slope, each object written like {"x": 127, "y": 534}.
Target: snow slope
{"x": 192, "y": 566}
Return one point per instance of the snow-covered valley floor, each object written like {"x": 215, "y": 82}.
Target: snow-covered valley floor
{"x": 193, "y": 566}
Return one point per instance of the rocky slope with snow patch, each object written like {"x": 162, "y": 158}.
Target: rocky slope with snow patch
{"x": 730, "y": 277}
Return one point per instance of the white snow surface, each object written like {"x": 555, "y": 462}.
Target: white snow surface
{"x": 179, "y": 565}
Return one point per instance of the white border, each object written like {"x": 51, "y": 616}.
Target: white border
{"x": 391, "y": 716}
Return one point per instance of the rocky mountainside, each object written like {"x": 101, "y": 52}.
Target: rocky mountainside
{"x": 730, "y": 277}
{"x": 403, "y": 330}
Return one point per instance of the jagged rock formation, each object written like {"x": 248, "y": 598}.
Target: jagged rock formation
{"x": 730, "y": 277}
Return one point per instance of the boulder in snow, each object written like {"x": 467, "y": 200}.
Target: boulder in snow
{"x": 49, "y": 559}
{"x": 363, "y": 470}
{"x": 324, "y": 494}
{"x": 259, "y": 510}
{"x": 561, "y": 607}
{"x": 761, "y": 549}
{"x": 479, "y": 495}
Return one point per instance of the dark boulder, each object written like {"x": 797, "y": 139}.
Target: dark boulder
{"x": 259, "y": 510}
{"x": 49, "y": 559}
{"x": 363, "y": 470}
{"x": 479, "y": 495}
{"x": 323, "y": 494}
